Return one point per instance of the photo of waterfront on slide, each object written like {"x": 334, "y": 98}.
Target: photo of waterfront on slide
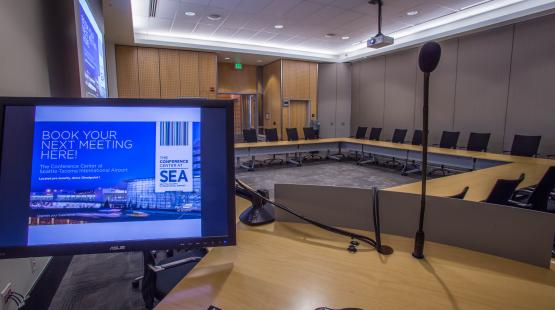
{"x": 116, "y": 171}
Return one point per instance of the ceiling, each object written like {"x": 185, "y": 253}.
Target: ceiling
{"x": 248, "y": 26}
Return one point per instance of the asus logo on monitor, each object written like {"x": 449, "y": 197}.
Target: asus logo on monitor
{"x": 117, "y": 248}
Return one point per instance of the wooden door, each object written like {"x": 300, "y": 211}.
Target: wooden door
{"x": 295, "y": 116}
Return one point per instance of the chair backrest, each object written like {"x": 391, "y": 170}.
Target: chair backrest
{"x": 361, "y": 132}
{"x": 399, "y": 136}
{"x": 449, "y": 139}
{"x": 249, "y": 135}
{"x": 309, "y": 133}
{"x": 375, "y": 134}
{"x": 525, "y": 145}
{"x": 271, "y": 134}
{"x": 292, "y": 134}
{"x": 460, "y": 195}
{"x": 540, "y": 196}
{"x": 478, "y": 142}
{"x": 417, "y": 137}
{"x": 503, "y": 191}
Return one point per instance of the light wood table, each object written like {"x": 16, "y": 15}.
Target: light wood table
{"x": 297, "y": 266}
{"x": 480, "y": 182}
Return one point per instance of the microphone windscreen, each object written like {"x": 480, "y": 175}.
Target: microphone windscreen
{"x": 429, "y": 56}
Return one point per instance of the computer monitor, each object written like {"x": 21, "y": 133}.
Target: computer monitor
{"x": 106, "y": 175}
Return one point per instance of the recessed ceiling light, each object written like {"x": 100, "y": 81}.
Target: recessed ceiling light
{"x": 329, "y": 35}
{"x": 259, "y": 60}
{"x": 214, "y": 17}
{"x": 357, "y": 43}
{"x": 190, "y": 13}
{"x": 345, "y": 38}
{"x": 278, "y": 26}
{"x": 227, "y": 58}
{"x": 412, "y": 13}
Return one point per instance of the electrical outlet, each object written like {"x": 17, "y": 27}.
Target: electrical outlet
{"x": 6, "y": 291}
{"x": 33, "y": 262}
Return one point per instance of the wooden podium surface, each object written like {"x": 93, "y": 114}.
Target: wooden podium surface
{"x": 298, "y": 266}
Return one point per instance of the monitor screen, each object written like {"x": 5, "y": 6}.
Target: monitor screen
{"x": 79, "y": 176}
{"x": 92, "y": 63}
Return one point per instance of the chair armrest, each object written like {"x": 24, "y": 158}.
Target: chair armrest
{"x": 506, "y": 152}
{"x": 435, "y": 144}
{"x": 187, "y": 260}
{"x": 520, "y": 204}
{"x": 461, "y": 147}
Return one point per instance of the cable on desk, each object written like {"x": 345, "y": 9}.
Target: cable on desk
{"x": 332, "y": 229}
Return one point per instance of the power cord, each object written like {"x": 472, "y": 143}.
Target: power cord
{"x": 17, "y": 298}
{"x": 353, "y": 236}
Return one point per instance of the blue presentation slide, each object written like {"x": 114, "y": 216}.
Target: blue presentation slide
{"x": 115, "y": 173}
{"x": 92, "y": 52}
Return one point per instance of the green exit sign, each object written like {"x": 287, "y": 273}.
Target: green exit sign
{"x": 238, "y": 66}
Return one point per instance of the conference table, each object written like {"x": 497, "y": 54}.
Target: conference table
{"x": 297, "y": 266}
{"x": 484, "y": 169}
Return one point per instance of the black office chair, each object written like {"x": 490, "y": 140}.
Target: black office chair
{"x": 538, "y": 198}
{"x": 310, "y": 134}
{"x": 449, "y": 139}
{"x": 272, "y": 136}
{"x": 478, "y": 142}
{"x": 293, "y": 135}
{"x": 460, "y": 195}
{"x": 503, "y": 190}
{"x": 161, "y": 277}
{"x": 361, "y": 132}
{"x": 416, "y": 140}
{"x": 525, "y": 145}
{"x": 417, "y": 137}
{"x": 399, "y": 136}
{"x": 375, "y": 134}
{"x": 250, "y": 136}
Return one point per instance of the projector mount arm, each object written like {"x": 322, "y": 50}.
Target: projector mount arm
{"x": 380, "y": 4}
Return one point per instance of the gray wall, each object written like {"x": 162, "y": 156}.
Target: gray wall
{"x": 24, "y": 73}
{"x": 499, "y": 81}
{"x": 334, "y": 99}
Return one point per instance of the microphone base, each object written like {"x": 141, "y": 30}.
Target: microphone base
{"x": 385, "y": 250}
{"x": 258, "y": 215}
{"x": 419, "y": 239}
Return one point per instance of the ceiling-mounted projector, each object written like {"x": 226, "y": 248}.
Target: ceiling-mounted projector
{"x": 379, "y": 40}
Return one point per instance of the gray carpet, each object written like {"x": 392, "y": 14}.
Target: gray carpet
{"x": 331, "y": 173}
{"x": 103, "y": 281}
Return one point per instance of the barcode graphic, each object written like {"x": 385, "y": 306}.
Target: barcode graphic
{"x": 174, "y": 133}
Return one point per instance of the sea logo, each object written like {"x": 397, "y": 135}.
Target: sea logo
{"x": 174, "y": 157}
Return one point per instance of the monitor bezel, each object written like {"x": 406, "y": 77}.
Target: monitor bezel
{"x": 132, "y": 245}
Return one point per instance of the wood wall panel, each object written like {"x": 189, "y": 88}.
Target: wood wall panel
{"x": 208, "y": 74}
{"x": 149, "y": 72}
{"x": 484, "y": 62}
{"x": 271, "y": 76}
{"x": 296, "y": 80}
{"x": 127, "y": 71}
{"x": 531, "y": 104}
{"x": 169, "y": 74}
{"x": 231, "y": 80}
{"x": 189, "y": 74}
{"x": 356, "y": 118}
{"x": 343, "y": 111}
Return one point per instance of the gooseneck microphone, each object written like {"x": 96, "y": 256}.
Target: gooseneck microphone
{"x": 428, "y": 60}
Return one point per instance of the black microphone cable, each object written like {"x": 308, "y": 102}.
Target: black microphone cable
{"x": 253, "y": 192}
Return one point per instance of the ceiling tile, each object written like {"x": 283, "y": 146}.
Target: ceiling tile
{"x": 263, "y": 36}
{"x": 303, "y": 10}
{"x": 180, "y": 27}
{"x": 280, "y": 7}
{"x": 244, "y": 34}
{"x": 225, "y": 32}
{"x": 348, "y": 4}
{"x": 228, "y": 4}
{"x": 167, "y": 8}
{"x": 205, "y": 29}
{"x": 252, "y": 6}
